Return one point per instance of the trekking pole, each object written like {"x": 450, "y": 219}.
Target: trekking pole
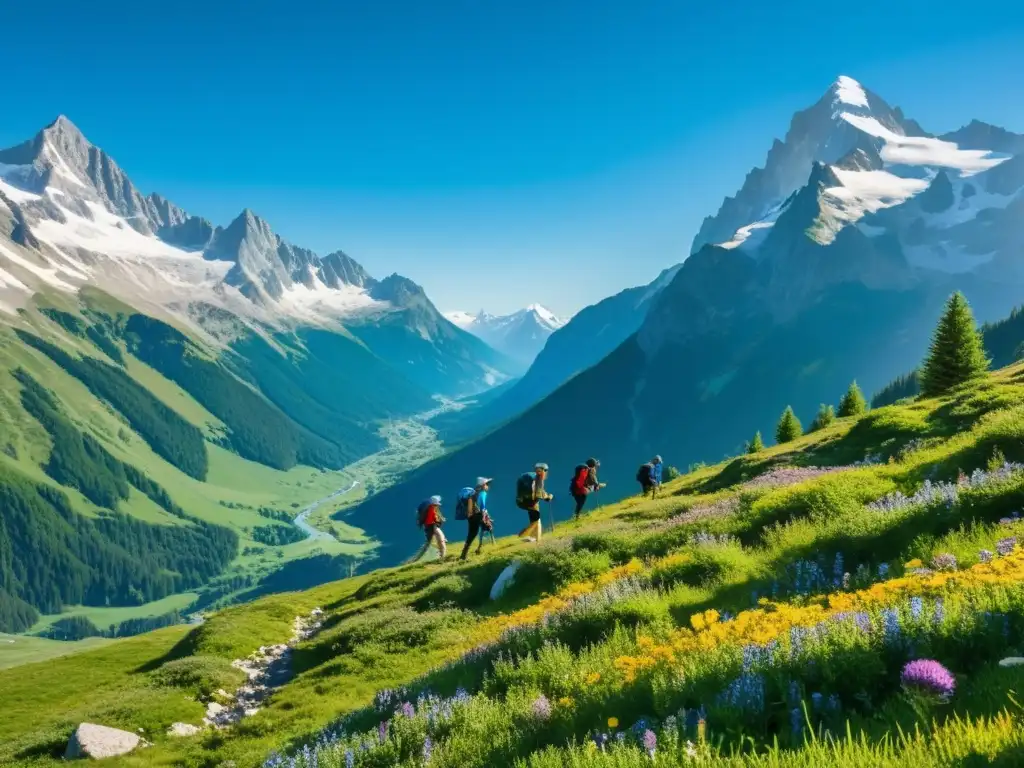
{"x": 551, "y": 513}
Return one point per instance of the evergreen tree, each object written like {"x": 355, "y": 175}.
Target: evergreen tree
{"x": 826, "y": 415}
{"x": 757, "y": 444}
{"x": 956, "y": 354}
{"x": 853, "y": 402}
{"x": 789, "y": 427}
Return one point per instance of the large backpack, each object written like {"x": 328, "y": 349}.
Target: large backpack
{"x": 524, "y": 488}
{"x": 464, "y": 503}
{"x": 421, "y": 513}
{"x": 578, "y": 485}
{"x": 643, "y": 475}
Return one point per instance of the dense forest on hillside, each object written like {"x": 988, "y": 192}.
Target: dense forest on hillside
{"x": 258, "y": 430}
{"x": 50, "y": 556}
{"x": 170, "y": 435}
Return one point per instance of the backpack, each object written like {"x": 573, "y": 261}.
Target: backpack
{"x": 578, "y": 485}
{"x": 524, "y": 488}
{"x": 464, "y": 503}
{"x": 643, "y": 475}
{"x": 421, "y": 513}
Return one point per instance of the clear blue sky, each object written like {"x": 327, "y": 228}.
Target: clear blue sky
{"x": 499, "y": 153}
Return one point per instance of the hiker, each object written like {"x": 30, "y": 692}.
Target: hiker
{"x": 472, "y": 507}
{"x": 649, "y": 477}
{"x": 529, "y": 494}
{"x": 584, "y": 481}
{"x": 430, "y": 520}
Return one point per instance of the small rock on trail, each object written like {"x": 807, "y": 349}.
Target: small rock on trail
{"x": 183, "y": 729}
{"x": 99, "y": 741}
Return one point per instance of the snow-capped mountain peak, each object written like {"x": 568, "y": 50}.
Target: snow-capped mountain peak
{"x": 520, "y": 335}
{"x": 847, "y": 157}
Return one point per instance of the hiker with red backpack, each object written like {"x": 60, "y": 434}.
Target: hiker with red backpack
{"x": 649, "y": 477}
{"x": 430, "y": 519}
{"x": 529, "y": 494}
{"x": 584, "y": 481}
{"x": 472, "y": 507}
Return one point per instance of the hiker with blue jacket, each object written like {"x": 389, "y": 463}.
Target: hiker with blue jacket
{"x": 472, "y": 506}
{"x": 649, "y": 477}
{"x": 529, "y": 494}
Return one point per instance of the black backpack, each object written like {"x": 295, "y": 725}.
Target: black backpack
{"x": 524, "y": 488}
{"x": 643, "y": 475}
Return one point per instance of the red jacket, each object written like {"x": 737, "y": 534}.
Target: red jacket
{"x": 432, "y": 515}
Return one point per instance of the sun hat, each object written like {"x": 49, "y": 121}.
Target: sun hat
{"x": 482, "y": 481}
{"x": 541, "y": 465}
{"x": 435, "y": 500}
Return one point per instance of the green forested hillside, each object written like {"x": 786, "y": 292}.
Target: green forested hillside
{"x": 129, "y": 502}
{"x": 169, "y": 434}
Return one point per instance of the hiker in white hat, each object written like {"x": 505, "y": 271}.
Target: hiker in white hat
{"x": 474, "y": 501}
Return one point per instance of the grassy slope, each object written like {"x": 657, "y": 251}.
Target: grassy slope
{"x": 389, "y": 628}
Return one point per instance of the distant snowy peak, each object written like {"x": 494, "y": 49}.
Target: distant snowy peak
{"x": 520, "y": 335}
{"x": 545, "y": 317}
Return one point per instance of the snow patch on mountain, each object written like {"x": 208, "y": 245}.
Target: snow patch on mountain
{"x": 923, "y": 150}
{"x": 869, "y": 191}
{"x": 849, "y": 91}
{"x": 461, "y": 319}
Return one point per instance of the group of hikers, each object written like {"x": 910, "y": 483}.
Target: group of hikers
{"x": 471, "y": 503}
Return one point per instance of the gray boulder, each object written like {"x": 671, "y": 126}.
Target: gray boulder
{"x": 99, "y": 741}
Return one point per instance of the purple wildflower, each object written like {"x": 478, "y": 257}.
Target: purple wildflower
{"x": 944, "y": 562}
{"x": 883, "y": 571}
{"x": 1006, "y": 546}
{"x": 428, "y": 748}
{"x": 816, "y": 699}
{"x": 407, "y": 710}
{"x": 542, "y": 708}
{"x": 834, "y": 704}
{"x": 650, "y": 741}
{"x": 930, "y": 676}
{"x": 350, "y": 758}
{"x": 601, "y": 740}
{"x": 382, "y": 731}
{"x": 985, "y": 556}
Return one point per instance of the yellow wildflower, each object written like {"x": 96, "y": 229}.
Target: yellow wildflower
{"x": 593, "y": 677}
{"x": 613, "y": 722}
{"x": 565, "y": 701}
{"x": 915, "y": 563}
